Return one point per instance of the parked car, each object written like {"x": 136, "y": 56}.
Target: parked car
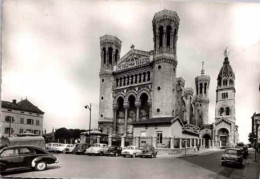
{"x": 113, "y": 151}
{"x": 131, "y": 151}
{"x": 25, "y": 157}
{"x": 69, "y": 148}
{"x": 232, "y": 156}
{"x": 97, "y": 149}
{"x": 80, "y": 148}
{"x": 148, "y": 151}
{"x": 51, "y": 147}
{"x": 63, "y": 148}
{"x": 243, "y": 148}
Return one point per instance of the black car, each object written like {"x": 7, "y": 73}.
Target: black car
{"x": 113, "y": 151}
{"x": 25, "y": 157}
{"x": 148, "y": 151}
{"x": 243, "y": 148}
{"x": 80, "y": 148}
{"x": 232, "y": 156}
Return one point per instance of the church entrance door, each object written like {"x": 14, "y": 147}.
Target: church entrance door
{"x": 223, "y": 137}
{"x": 207, "y": 140}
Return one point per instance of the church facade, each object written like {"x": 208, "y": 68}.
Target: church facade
{"x": 141, "y": 94}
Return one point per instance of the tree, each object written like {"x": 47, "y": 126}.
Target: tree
{"x": 251, "y": 137}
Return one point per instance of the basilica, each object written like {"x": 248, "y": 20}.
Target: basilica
{"x": 141, "y": 94}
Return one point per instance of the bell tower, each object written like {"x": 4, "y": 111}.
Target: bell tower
{"x": 165, "y": 30}
{"x": 202, "y": 89}
{"x": 225, "y": 102}
{"x": 110, "y": 47}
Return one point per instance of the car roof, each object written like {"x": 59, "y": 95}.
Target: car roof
{"x": 22, "y": 146}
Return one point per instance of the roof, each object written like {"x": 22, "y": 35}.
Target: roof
{"x": 190, "y": 132}
{"x": 162, "y": 120}
{"x": 23, "y": 105}
{"x": 226, "y": 70}
{"x": 158, "y": 120}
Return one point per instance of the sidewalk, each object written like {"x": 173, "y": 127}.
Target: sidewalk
{"x": 251, "y": 167}
{"x": 190, "y": 154}
{"x": 201, "y": 152}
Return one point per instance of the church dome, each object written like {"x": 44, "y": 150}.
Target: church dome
{"x": 226, "y": 70}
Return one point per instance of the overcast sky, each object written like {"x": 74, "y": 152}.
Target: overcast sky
{"x": 51, "y": 51}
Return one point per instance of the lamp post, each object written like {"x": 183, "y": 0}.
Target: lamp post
{"x": 89, "y": 107}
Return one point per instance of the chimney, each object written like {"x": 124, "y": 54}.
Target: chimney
{"x": 14, "y": 101}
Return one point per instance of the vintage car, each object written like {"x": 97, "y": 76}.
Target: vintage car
{"x": 131, "y": 151}
{"x": 97, "y": 149}
{"x": 69, "y": 148}
{"x": 113, "y": 151}
{"x": 53, "y": 147}
{"x": 64, "y": 148}
{"x": 243, "y": 148}
{"x": 25, "y": 157}
{"x": 148, "y": 151}
{"x": 80, "y": 148}
{"x": 232, "y": 156}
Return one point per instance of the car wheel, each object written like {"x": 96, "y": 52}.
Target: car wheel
{"x": 101, "y": 153}
{"x": 40, "y": 166}
{"x": 134, "y": 155}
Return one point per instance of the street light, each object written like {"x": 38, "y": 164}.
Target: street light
{"x": 89, "y": 107}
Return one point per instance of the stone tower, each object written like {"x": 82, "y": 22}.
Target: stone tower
{"x": 225, "y": 120}
{"x": 202, "y": 89}
{"x": 165, "y": 30}
{"x": 225, "y": 97}
{"x": 110, "y": 47}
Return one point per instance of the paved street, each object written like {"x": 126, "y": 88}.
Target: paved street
{"x": 198, "y": 166}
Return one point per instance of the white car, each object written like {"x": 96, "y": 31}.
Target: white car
{"x": 97, "y": 149}
{"x": 51, "y": 147}
{"x": 132, "y": 151}
{"x": 69, "y": 148}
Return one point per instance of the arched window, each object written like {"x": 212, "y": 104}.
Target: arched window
{"x": 231, "y": 82}
{"x": 201, "y": 88}
{"x": 227, "y": 111}
{"x": 197, "y": 90}
{"x": 104, "y": 55}
{"x": 132, "y": 79}
{"x": 135, "y": 78}
{"x": 221, "y": 111}
{"x": 169, "y": 30}
{"x": 205, "y": 88}
{"x": 219, "y": 81}
{"x": 124, "y": 81}
{"x": 127, "y": 81}
{"x": 174, "y": 35}
{"x": 116, "y": 55}
{"x": 120, "y": 83}
{"x": 160, "y": 36}
{"x": 148, "y": 78}
{"x": 117, "y": 82}
{"x": 144, "y": 75}
{"x": 225, "y": 82}
{"x": 140, "y": 78}
{"x": 110, "y": 55}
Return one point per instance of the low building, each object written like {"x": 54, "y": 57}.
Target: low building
{"x": 20, "y": 117}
